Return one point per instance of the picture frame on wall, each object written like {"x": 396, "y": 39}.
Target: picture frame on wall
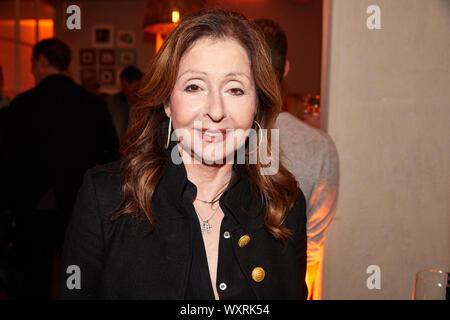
{"x": 87, "y": 57}
{"x": 102, "y": 36}
{"x": 107, "y": 76}
{"x": 106, "y": 57}
{"x": 126, "y": 39}
{"x": 126, "y": 57}
{"x": 87, "y": 74}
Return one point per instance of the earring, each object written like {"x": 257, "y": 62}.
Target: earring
{"x": 168, "y": 132}
{"x": 260, "y": 136}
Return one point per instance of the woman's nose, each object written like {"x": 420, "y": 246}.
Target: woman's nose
{"x": 216, "y": 106}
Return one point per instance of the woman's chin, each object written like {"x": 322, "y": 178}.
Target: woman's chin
{"x": 213, "y": 158}
{"x": 208, "y": 156}
{"x": 213, "y": 161}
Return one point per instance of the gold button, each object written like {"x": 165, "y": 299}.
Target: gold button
{"x": 258, "y": 274}
{"x": 244, "y": 240}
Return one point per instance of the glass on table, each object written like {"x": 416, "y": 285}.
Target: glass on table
{"x": 432, "y": 284}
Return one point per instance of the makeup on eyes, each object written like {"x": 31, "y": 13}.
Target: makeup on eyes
{"x": 236, "y": 90}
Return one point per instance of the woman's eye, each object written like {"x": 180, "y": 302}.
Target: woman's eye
{"x": 237, "y": 91}
{"x": 192, "y": 88}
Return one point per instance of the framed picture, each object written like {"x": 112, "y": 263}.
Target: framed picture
{"x": 126, "y": 39}
{"x": 106, "y": 57}
{"x": 126, "y": 57}
{"x": 87, "y": 74}
{"x": 107, "y": 76}
{"x": 102, "y": 36}
{"x": 87, "y": 57}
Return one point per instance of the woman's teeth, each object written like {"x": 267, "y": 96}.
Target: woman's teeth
{"x": 214, "y": 134}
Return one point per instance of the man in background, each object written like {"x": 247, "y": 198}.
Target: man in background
{"x": 54, "y": 133}
{"x": 311, "y": 156}
{"x": 119, "y": 105}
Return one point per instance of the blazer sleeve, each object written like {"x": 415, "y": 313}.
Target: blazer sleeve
{"x": 82, "y": 256}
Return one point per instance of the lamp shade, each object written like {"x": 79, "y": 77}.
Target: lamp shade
{"x": 158, "y": 15}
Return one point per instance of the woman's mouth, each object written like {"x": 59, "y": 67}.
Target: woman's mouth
{"x": 213, "y": 135}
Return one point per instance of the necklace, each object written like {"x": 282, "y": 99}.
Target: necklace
{"x": 209, "y": 202}
{"x": 212, "y": 201}
{"x": 206, "y": 226}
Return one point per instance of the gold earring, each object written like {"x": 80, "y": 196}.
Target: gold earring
{"x": 168, "y": 132}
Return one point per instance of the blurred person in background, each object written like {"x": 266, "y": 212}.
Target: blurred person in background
{"x": 119, "y": 105}
{"x": 310, "y": 154}
{"x": 294, "y": 104}
{"x": 53, "y": 133}
{"x": 91, "y": 85}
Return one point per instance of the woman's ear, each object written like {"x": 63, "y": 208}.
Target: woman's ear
{"x": 167, "y": 109}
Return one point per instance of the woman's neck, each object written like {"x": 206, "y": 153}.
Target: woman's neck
{"x": 210, "y": 180}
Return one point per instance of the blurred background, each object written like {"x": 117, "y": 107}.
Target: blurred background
{"x": 381, "y": 94}
{"x": 132, "y": 43}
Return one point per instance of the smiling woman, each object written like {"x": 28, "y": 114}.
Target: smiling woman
{"x": 212, "y": 100}
{"x": 149, "y": 228}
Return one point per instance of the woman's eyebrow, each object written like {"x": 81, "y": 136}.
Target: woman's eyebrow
{"x": 192, "y": 71}
{"x": 231, "y": 74}
{"x": 237, "y": 74}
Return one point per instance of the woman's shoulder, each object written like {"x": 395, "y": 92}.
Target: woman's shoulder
{"x": 109, "y": 172}
{"x": 106, "y": 180}
{"x": 301, "y": 200}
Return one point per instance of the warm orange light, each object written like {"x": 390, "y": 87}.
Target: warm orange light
{"x": 43, "y": 23}
{"x": 8, "y": 51}
{"x": 27, "y": 30}
{"x": 159, "y": 42}
{"x": 311, "y": 276}
{"x": 314, "y": 276}
{"x": 175, "y": 16}
{"x": 163, "y": 29}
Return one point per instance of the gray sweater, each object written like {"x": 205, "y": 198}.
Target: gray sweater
{"x": 311, "y": 156}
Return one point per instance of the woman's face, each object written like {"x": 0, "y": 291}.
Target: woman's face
{"x": 213, "y": 102}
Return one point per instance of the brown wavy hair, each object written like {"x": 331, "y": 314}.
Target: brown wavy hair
{"x": 143, "y": 146}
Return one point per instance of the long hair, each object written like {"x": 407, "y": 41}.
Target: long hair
{"x": 143, "y": 146}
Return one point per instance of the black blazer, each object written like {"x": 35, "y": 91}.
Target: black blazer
{"x": 122, "y": 260}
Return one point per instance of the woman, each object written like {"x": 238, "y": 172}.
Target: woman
{"x": 176, "y": 219}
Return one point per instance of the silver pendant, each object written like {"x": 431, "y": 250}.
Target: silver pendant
{"x": 206, "y": 226}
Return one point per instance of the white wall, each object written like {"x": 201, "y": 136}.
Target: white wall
{"x": 388, "y": 110}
